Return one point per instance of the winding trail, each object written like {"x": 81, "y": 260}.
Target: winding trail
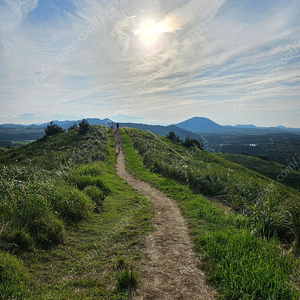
{"x": 170, "y": 272}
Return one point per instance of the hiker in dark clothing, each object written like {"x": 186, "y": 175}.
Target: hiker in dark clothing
{"x": 117, "y": 126}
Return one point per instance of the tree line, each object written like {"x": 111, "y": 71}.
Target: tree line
{"x": 52, "y": 128}
{"x": 188, "y": 142}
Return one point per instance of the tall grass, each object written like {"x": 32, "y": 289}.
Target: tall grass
{"x": 245, "y": 267}
{"x": 41, "y": 187}
{"x": 240, "y": 263}
{"x": 13, "y": 277}
{"x": 126, "y": 276}
{"x": 263, "y": 200}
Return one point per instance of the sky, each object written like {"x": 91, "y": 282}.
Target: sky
{"x": 150, "y": 61}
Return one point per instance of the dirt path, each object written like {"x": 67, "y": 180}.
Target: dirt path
{"x": 171, "y": 270}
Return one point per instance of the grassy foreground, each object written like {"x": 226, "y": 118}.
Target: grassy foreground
{"x": 71, "y": 228}
{"x": 238, "y": 262}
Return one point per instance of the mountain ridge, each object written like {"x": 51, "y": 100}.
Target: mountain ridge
{"x": 194, "y": 127}
{"x": 201, "y": 125}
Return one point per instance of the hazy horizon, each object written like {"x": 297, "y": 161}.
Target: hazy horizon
{"x": 159, "y": 62}
{"x": 128, "y": 119}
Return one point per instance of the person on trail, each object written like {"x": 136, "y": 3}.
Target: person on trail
{"x": 117, "y": 126}
{"x": 119, "y": 147}
{"x": 112, "y": 125}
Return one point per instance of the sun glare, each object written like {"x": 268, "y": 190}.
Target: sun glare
{"x": 149, "y": 32}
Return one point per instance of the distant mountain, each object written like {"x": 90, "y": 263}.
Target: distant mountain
{"x": 162, "y": 130}
{"x": 200, "y": 124}
{"x": 193, "y": 127}
{"x": 66, "y": 124}
{"x": 245, "y": 126}
{"x": 241, "y": 126}
{"x": 33, "y": 132}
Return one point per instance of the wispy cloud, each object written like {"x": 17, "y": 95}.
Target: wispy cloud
{"x": 92, "y": 56}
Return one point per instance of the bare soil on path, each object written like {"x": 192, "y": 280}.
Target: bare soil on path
{"x": 171, "y": 271}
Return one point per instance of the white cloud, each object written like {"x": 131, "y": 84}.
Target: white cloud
{"x": 94, "y": 60}
{"x": 12, "y": 12}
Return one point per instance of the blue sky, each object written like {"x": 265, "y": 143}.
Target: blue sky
{"x": 235, "y": 62}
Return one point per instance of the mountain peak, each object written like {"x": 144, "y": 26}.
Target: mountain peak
{"x": 200, "y": 124}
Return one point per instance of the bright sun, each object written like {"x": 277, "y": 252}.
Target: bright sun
{"x": 149, "y": 32}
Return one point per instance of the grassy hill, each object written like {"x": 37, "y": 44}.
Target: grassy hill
{"x": 246, "y": 255}
{"x": 70, "y": 228}
{"x": 269, "y": 169}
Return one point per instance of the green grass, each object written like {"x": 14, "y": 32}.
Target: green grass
{"x": 74, "y": 193}
{"x": 13, "y": 277}
{"x": 247, "y": 192}
{"x": 245, "y": 267}
{"x": 267, "y": 168}
{"x": 37, "y": 196}
{"x": 126, "y": 276}
{"x": 239, "y": 262}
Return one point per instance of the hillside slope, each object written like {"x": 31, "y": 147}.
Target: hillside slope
{"x": 71, "y": 228}
{"x": 236, "y": 249}
{"x": 275, "y": 171}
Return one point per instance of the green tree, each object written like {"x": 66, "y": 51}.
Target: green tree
{"x": 52, "y": 129}
{"x": 72, "y": 127}
{"x": 84, "y": 126}
{"x": 173, "y": 137}
{"x": 189, "y": 142}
